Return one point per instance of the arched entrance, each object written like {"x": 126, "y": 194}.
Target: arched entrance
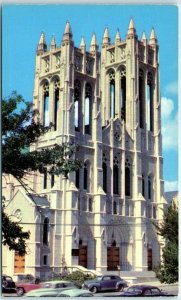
{"x": 119, "y": 246}
{"x": 149, "y": 259}
{"x": 112, "y": 257}
{"x": 82, "y": 255}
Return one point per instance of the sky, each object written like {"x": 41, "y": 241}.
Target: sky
{"x": 22, "y": 26}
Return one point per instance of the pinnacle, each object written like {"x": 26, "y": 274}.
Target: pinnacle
{"x": 117, "y": 37}
{"x": 143, "y": 36}
{"x": 53, "y": 43}
{"x": 106, "y": 33}
{"x": 93, "y": 41}
{"x": 153, "y": 34}
{"x": 106, "y": 38}
{"x": 131, "y": 24}
{"x": 42, "y": 39}
{"x": 68, "y": 29}
{"x": 42, "y": 46}
{"x": 68, "y": 32}
{"x": 131, "y": 27}
{"x": 82, "y": 43}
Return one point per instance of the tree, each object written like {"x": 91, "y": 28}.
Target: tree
{"x": 13, "y": 235}
{"x": 167, "y": 272}
{"x": 21, "y": 128}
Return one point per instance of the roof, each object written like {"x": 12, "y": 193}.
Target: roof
{"x": 74, "y": 292}
{"x": 141, "y": 286}
{"x": 40, "y": 200}
{"x": 169, "y": 196}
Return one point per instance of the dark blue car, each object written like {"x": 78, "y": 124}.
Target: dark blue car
{"x": 144, "y": 291}
{"x": 105, "y": 283}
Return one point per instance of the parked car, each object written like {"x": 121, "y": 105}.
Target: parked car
{"x": 8, "y": 285}
{"x": 75, "y": 293}
{"x": 58, "y": 284}
{"x": 51, "y": 287}
{"x": 43, "y": 293}
{"x": 26, "y": 283}
{"x": 21, "y": 277}
{"x": 144, "y": 291}
{"x": 105, "y": 283}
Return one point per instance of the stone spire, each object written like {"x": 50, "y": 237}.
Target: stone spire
{"x": 42, "y": 46}
{"x": 143, "y": 38}
{"x": 93, "y": 45}
{"x": 106, "y": 38}
{"x": 53, "y": 44}
{"x": 153, "y": 37}
{"x": 68, "y": 32}
{"x": 117, "y": 37}
{"x": 82, "y": 43}
{"x": 131, "y": 28}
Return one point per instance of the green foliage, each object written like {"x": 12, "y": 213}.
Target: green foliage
{"x": 13, "y": 235}
{"x": 167, "y": 272}
{"x": 21, "y": 128}
{"x": 78, "y": 277}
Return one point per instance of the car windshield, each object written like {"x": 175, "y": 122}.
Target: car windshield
{"x": 134, "y": 290}
{"x": 98, "y": 278}
{"x": 7, "y": 278}
{"x": 47, "y": 285}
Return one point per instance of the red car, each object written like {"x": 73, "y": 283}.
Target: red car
{"x": 26, "y": 283}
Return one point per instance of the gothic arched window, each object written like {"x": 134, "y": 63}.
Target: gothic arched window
{"x": 77, "y": 95}
{"x": 114, "y": 207}
{"x": 77, "y": 174}
{"x": 150, "y": 101}
{"x": 115, "y": 179}
{"x": 149, "y": 187}
{"x": 45, "y": 231}
{"x": 46, "y": 104}
{"x": 87, "y": 176}
{"x": 115, "y": 175}
{"x": 90, "y": 204}
{"x": 56, "y": 101}
{"x": 154, "y": 212}
{"x": 52, "y": 180}
{"x": 141, "y": 98}
{"x": 45, "y": 179}
{"x": 112, "y": 93}
{"x": 104, "y": 169}
{"x": 88, "y": 108}
{"x": 127, "y": 178}
{"x": 123, "y": 93}
{"x": 143, "y": 186}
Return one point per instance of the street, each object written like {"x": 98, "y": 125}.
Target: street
{"x": 171, "y": 289}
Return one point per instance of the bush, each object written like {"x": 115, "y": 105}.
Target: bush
{"x": 78, "y": 277}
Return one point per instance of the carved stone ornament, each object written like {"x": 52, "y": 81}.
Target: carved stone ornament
{"x": 18, "y": 214}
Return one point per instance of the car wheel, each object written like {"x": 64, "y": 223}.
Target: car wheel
{"x": 120, "y": 288}
{"x": 20, "y": 291}
{"x": 94, "y": 289}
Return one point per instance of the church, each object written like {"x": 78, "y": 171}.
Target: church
{"x": 108, "y": 103}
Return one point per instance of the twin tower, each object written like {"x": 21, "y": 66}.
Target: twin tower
{"x": 108, "y": 103}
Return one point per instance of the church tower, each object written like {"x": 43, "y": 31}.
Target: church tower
{"x": 108, "y": 103}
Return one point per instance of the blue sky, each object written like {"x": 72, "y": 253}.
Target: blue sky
{"x": 23, "y": 24}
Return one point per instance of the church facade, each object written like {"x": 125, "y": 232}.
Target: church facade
{"x": 108, "y": 103}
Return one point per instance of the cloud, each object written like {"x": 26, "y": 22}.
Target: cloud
{"x": 169, "y": 125}
{"x": 167, "y": 107}
{"x": 172, "y": 88}
{"x": 170, "y": 186}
